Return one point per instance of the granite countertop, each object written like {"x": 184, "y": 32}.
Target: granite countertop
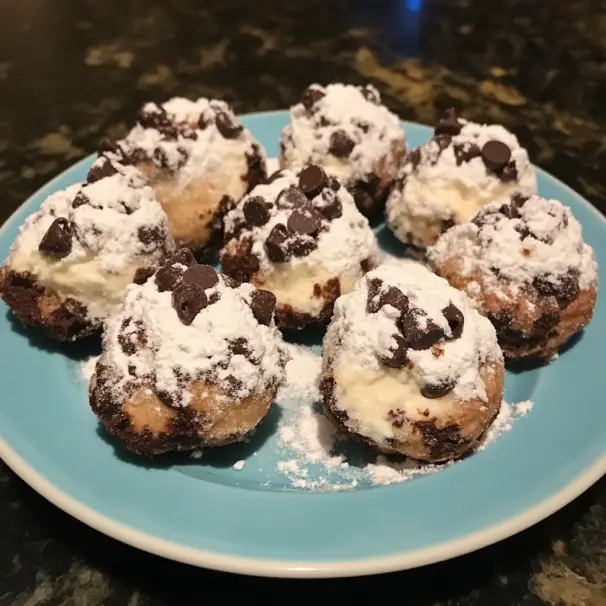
{"x": 75, "y": 71}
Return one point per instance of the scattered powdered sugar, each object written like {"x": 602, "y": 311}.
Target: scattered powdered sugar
{"x": 197, "y": 146}
{"x": 314, "y": 461}
{"x": 87, "y": 368}
{"x": 273, "y": 165}
{"x": 239, "y": 465}
{"x": 340, "y": 247}
{"x": 224, "y": 344}
{"x": 356, "y": 112}
{"x": 302, "y": 377}
{"x": 522, "y": 241}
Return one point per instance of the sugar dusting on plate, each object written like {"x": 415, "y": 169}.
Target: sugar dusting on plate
{"x": 314, "y": 453}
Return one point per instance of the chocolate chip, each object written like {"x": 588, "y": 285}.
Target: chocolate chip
{"x": 455, "y": 320}
{"x": 262, "y": 305}
{"x": 370, "y": 93}
{"x": 509, "y": 173}
{"x": 240, "y": 347}
{"x": 183, "y": 256}
{"x": 510, "y": 211}
{"x": 57, "y": 242}
{"x": 495, "y": 155}
{"x": 188, "y": 300}
{"x": 312, "y": 180}
{"x": 518, "y": 200}
{"x": 364, "y": 201}
{"x": 168, "y": 277}
{"x": 445, "y": 225}
{"x": 448, "y": 124}
{"x": 255, "y": 211}
{"x": 291, "y": 197}
{"x": 438, "y": 390}
{"x": 311, "y": 96}
{"x": 152, "y": 117}
{"x": 416, "y": 337}
{"x": 275, "y": 244}
{"x": 523, "y": 230}
{"x": 465, "y": 152}
{"x": 109, "y": 146}
{"x": 334, "y": 184}
{"x": 301, "y": 246}
{"x": 80, "y": 200}
{"x": 100, "y": 169}
{"x": 203, "y": 276}
{"x": 341, "y": 145}
{"x": 332, "y": 208}
{"x": 394, "y": 297}
{"x": 397, "y": 357}
{"x": 306, "y": 221}
{"x": 228, "y": 125}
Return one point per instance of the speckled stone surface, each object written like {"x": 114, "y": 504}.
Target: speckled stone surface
{"x": 74, "y": 71}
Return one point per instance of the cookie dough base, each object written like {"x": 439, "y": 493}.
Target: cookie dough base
{"x": 147, "y": 426}
{"x": 522, "y": 338}
{"x": 63, "y": 319}
{"x": 426, "y": 437}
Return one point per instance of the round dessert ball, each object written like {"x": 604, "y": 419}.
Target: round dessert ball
{"x": 199, "y": 159}
{"x": 351, "y": 135}
{"x": 301, "y": 237}
{"x": 73, "y": 259}
{"x": 525, "y": 266}
{"x": 410, "y": 367}
{"x": 192, "y": 360}
{"x": 446, "y": 181}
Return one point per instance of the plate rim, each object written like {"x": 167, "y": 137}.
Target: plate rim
{"x": 265, "y": 567}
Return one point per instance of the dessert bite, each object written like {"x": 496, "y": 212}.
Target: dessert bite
{"x": 525, "y": 266}
{"x": 199, "y": 159}
{"x": 73, "y": 259}
{"x": 351, "y": 135}
{"x": 448, "y": 179}
{"x": 301, "y": 237}
{"x": 410, "y": 367}
{"x": 192, "y": 360}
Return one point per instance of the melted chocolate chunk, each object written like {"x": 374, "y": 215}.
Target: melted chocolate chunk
{"x": 341, "y": 145}
{"x": 243, "y": 264}
{"x": 240, "y": 347}
{"x": 311, "y": 96}
{"x": 159, "y": 120}
{"x": 291, "y": 197}
{"x": 508, "y": 173}
{"x": 312, "y": 180}
{"x": 565, "y": 289}
{"x": 228, "y": 125}
{"x": 306, "y": 221}
{"x": 100, "y": 169}
{"x": 203, "y": 276}
{"x": 183, "y": 256}
{"x": 364, "y": 201}
{"x": 80, "y": 200}
{"x": 111, "y": 147}
{"x": 257, "y": 170}
{"x": 495, "y": 155}
{"x": 262, "y": 305}
{"x": 545, "y": 324}
{"x": 275, "y": 176}
{"x": 256, "y": 211}
{"x": 416, "y": 337}
{"x": 449, "y": 124}
{"x": 392, "y": 296}
{"x": 57, "y": 242}
{"x": 465, "y": 152}
{"x": 438, "y": 390}
{"x": 302, "y": 246}
{"x": 414, "y": 157}
{"x": 168, "y": 277}
{"x": 455, "y": 320}
{"x": 150, "y": 235}
{"x": 276, "y": 244}
{"x": 397, "y": 357}
{"x": 188, "y": 300}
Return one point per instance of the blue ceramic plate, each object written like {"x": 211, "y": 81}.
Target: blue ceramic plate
{"x": 252, "y": 521}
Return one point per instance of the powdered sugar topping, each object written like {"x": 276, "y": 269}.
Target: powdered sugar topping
{"x": 342, "y": 243}
{"x": 512, "y": 245}
{"x": 190, "y": 138}
{"x": 371, "y": 131}
{"x": 370, "y": 339}
{"x": 224, "y": 344}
